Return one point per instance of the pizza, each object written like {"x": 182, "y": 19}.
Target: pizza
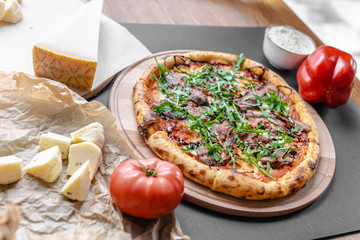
{"x": 228, "y": 123}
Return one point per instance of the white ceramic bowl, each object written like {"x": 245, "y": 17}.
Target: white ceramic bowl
{"x": 286, "y": 47}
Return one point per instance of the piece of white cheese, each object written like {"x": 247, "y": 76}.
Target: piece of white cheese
{"x": 78, "y": 186}
{"x": 48, "y": 140}
{"x": 80, "y": 153}
{"x": 10, "y": 169}
{"x": 70, "y": 53}
{"x": 13, "y": 13}
{"x": 46, "y": 165}
{"x": 2, "y": 9}
{"x": 94, "y": 132}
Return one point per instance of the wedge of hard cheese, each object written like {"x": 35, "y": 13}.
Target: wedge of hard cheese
{"x": 46, "y": 165}
{"x": 48, "y": 140}
{"x": 10, "y": 169}
{"x": 94, "y": 132}
{"x": 70, "y": 53}
{"x": 78, "y": 186}
{"x": 82, "y": 152}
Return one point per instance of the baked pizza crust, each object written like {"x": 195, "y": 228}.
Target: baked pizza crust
{"x": 225, "y": 180}
{"x": 166, "y": 149}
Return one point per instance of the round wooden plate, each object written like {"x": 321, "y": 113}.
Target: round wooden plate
{"x": 121, "y": 105}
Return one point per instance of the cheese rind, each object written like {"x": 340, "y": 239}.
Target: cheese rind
{"x": 94, "y": 132}
{"x": 10, "y": 169}
{"x": 73, "y": 72}
{"x": 46, "y": 165}
{"x": 70, "y": 53}
{"x": 78, "y": 186}
{"x": 48, "y": 140}
{"x": 82, "y": 152}
{"x": 13, "y": 13}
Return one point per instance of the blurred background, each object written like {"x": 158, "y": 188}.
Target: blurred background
{"x": 335, "y": 22}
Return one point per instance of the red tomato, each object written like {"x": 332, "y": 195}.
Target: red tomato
{"x": 146, "y": 188}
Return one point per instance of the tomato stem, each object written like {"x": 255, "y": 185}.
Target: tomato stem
{"x": 147, "y": 170}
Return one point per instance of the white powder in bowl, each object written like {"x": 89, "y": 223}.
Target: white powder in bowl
{"x": 291, "y": 40}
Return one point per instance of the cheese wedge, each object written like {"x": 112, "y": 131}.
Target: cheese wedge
{"x": 94, "y": 132}
{"x": 13, "y": 13}
{"x": 48, "y": 140}
{"x": 70, "y": 53}
{"x": 78, "y": 186}
{"x": 82, "y": 152}
{"x": 10, "y": 169}
{"x": 46, "y": 165}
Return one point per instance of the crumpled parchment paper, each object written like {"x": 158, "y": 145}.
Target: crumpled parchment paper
{"x": 30, "y": 106}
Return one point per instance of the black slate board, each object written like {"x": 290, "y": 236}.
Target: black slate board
{"x": 336, "y": 212}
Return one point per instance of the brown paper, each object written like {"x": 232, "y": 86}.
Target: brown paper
{"x": 31, "y": 106}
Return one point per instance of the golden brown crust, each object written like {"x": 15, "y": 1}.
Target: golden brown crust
{"x": 224, "y": 180}
{"x": 139, "y": 92}
{"x": 299, "y": 176}
{"x": 165, "y": 148}
{"x": 205, "y": 56}
{"x": 242, "y": 186}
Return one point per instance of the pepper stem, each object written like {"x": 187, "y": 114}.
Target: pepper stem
{"x": 149, "y": 172}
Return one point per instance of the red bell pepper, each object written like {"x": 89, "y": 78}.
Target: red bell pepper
{"x": 327, "y": 75}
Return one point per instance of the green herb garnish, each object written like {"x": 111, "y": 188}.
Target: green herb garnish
{"x": 223, "y": 86}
